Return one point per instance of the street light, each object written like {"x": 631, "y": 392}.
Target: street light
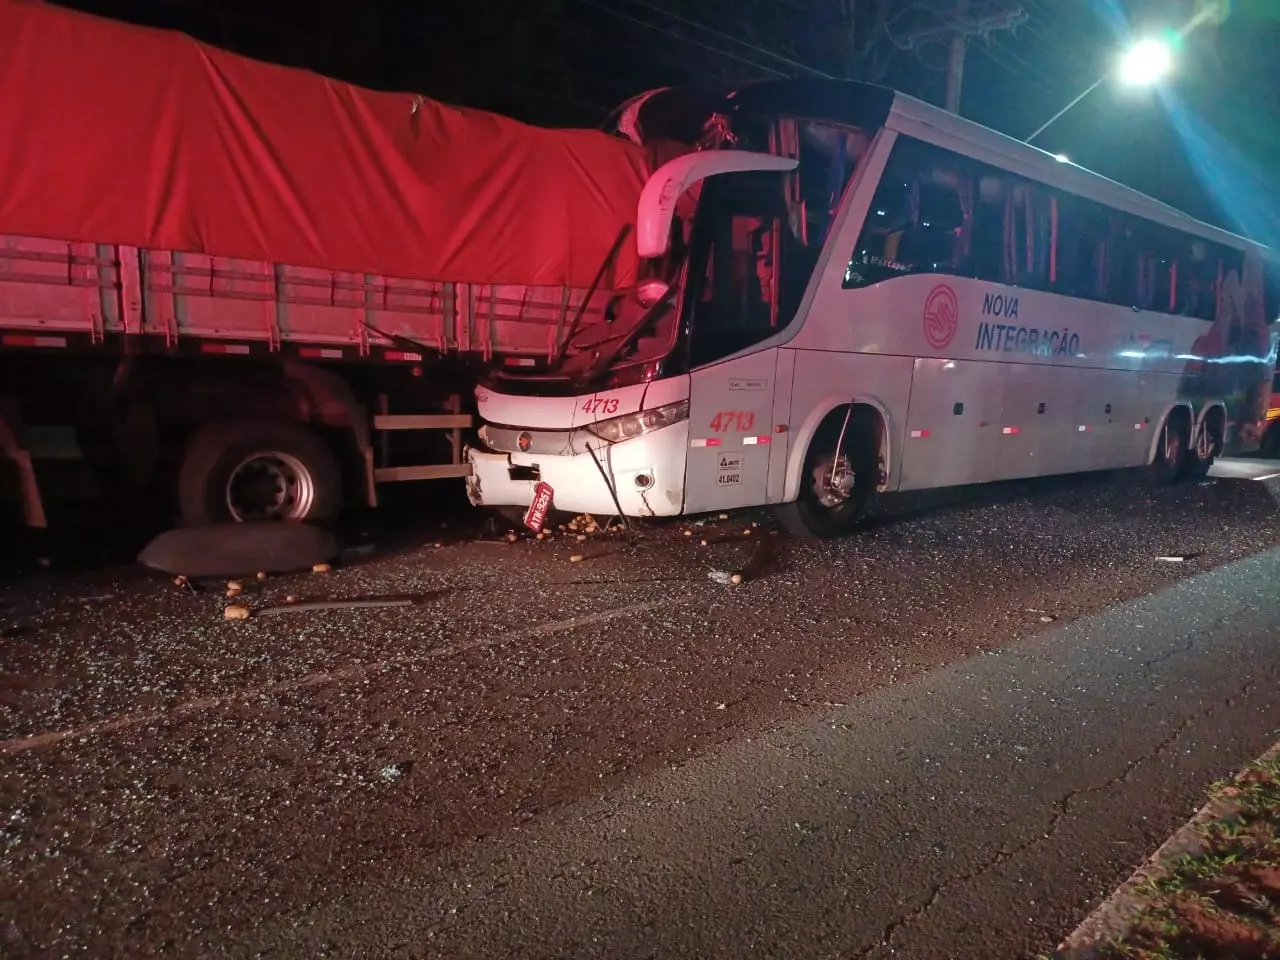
{"x": 1146, "y": 63}
{"x": 1143, "y": 65}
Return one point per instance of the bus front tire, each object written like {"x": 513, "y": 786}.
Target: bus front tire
{"x": 835, "y": 489}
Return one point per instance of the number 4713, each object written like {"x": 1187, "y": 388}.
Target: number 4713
{"x": 737, "y": 421}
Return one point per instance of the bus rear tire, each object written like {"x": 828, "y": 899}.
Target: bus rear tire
{"x": 1208, "y": 447}
{"x": 1169, "y": 464}
{"x": 825, "y": 511}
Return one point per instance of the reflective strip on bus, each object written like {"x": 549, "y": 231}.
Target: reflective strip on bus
{"x": 706, "y": 442}
{"x": 755, "y": 441}
{"x": 320, "y": 353}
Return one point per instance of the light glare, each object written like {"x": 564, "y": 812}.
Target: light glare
{"x": 1146, "y": 63}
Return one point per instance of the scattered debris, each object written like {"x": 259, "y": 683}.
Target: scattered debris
{"x": 1047, "y": 619}
{"x": 291, "y": 599}
{"x": 1171, "y": 559}
{"x": 391, "y": 772}
{"x": 236, "y": 612}
{"x": 321, "y": 568}
{"x": 576, "y": 558}
{"x": 725, "y": 577}
{"x": 262, "y": 574}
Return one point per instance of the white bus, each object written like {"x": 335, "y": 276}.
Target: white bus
{"x": 848, "y": 291}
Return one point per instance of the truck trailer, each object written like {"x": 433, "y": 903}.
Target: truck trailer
{"x": 260, "y": 293}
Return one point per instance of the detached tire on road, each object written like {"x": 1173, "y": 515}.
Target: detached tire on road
{"x": 244, "y": 471}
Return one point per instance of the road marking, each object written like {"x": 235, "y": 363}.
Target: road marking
{"x": 321, "y": 677}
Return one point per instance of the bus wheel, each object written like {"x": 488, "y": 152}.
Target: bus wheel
{"x": 1207, "y": 448}
{"x": 836, "y": 485}
{"x": 242, "y": 470}
{"x": 1168, "y": 465}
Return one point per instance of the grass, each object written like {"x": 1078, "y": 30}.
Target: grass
{"x": 1224, "y": 900}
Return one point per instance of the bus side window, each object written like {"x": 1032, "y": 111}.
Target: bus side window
{"x": 917, "y": 219}
{"x": 1030, "y": 236}
{"x": 1195, "y": 290}
{"x": 1084, "y": 246}
{"x": 1122, "y": 275}
{"x": 1271, "y": 291}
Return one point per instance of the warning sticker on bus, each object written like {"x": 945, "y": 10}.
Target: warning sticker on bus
{"x": 729, "y": 470}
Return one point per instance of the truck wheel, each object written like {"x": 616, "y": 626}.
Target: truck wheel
{"x": 240, "y": 471}
{"x": 836, "y": 486}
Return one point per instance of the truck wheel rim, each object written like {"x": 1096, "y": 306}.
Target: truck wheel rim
{"x": 270, "y": 486}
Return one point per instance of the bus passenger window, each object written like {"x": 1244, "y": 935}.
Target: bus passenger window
{"x": 917, "y": 222}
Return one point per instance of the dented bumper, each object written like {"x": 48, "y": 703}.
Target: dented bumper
{"x": 646, "y": 474}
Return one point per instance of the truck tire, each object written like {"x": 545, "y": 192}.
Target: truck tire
{"x": 238, "y": 471}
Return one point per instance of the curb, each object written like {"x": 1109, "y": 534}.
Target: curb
{"x": 1114, "y": 918}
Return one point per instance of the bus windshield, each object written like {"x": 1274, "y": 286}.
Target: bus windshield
{"x": 743, "y": 247}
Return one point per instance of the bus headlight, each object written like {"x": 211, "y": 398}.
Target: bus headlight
{"x": 638, "y": 424}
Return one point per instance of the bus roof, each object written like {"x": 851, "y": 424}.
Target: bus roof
{"x": 924, "y": 121}
{"x": 869, "y": 105}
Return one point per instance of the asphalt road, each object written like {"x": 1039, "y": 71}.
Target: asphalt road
{"x": 947, "y": 737}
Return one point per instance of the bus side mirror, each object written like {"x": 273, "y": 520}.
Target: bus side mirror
{"x": 669, "y": 182}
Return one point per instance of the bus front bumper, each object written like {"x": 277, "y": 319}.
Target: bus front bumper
{"x": 646, "y": 475}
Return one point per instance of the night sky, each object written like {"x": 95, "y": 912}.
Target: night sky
{"x": 1208, "y": 142}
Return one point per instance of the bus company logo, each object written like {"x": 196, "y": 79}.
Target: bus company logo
{"x": 941, "y": 316}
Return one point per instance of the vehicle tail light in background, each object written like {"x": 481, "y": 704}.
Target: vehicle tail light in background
{"x": 633, "y": 425}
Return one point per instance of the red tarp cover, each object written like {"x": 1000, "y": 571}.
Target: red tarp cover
{"x": 122, "y": 134}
